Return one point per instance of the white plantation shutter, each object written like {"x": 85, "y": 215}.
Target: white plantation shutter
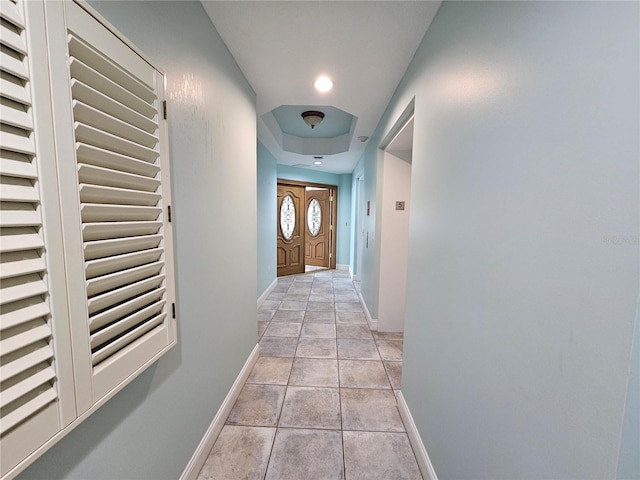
{"x": 86, "y": 267}
{"x": 26, "y": 373}
{"x": 121, "y": 178}
{"x": 30, "y": 412}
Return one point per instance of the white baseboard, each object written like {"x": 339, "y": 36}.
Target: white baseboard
{"x": 199, "y": 457}
{"x": 266, "y": 293}
{"x": 373, "y": 322}
{"x": 426, "y": 467}
{"x": 342, "y": 267}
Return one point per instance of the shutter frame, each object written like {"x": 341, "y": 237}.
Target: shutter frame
{"x": 44, "y": 215}
{"x": 113, "y": 195}
{"x": 22, "y": 443}
{"x": 122, "y": 223}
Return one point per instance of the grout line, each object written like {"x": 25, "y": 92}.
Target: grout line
{"x": 304, "y": 322}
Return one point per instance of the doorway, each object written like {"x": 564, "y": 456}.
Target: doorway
{"x": 394, "y": 230}
{"x": 306, "y": 233}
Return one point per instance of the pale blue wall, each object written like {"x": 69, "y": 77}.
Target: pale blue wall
{"x": 343, "y": 182}
{"x": 370, "y": 281}
{"x": 523, "y": 271}
{"x": 152, "y": 427}
{"x": 267, "y": 193}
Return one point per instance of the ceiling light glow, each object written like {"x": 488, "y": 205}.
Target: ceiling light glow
{"x": 323, "y": 84}
{"x": 317, "y": 162}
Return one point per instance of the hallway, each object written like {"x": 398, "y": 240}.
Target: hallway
{"x": 319, "y": 403}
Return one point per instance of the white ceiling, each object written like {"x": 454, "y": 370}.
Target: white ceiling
{"x": 282, "y": 47}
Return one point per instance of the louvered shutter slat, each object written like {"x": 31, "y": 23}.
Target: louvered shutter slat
{"x": 18, "y": 215}
{"x": 105, "y": 248}
{"x": 104, "y": 230}
{"x": 15, "y": 264}
{"x": 17, "y": 140}
{"x": 24, "y": 339}
{"x": 28, "y": 409}
{"x": 115, "y": 330}
{"x": 12, "y": 65}
{"x": 109, "y": 124}
{"x": 118, "y": 263}
{"x": 14, "y": 289}
{"x": 13, "y": 39}
{"x": 102, "y": 64}
{"x": 28, "y": 361}
{"x": 123, "y": 309}
{"x": 104, "y": 213}
{"x": 14, "y": 113}
{"x": 89, "y": 76}
{"x": 19, "y": 389}
{"x": 22, "y": 312}
{"x": 117, "y": 296}
{"x": 106, "y": 176}
{"x": 114, "y": 195}
{"x": 9, "y": 11}
{"x": 18, "y": 193}
{"x": 23, "y": 239}
{"x": 115, "y": 280}
{"x": 12, "y": 88}
{"x": 92, "y": 155}
{"x": 94, "y": 98}
{"x": 103, "y": 353}
{"x": 108, "y": 141}
{"x": 16, "y": 165}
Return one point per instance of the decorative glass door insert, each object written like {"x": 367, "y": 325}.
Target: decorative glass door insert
{"x": 314, "y": 217}
{"x": 287, "y": 217}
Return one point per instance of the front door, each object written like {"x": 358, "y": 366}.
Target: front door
{"x": 318, "y": 221}
{"x": 290, "y": 251}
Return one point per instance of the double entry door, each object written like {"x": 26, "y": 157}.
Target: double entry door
{"x": 306, "y": 236}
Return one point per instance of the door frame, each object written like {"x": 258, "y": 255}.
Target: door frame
{"x": 333, "y": 214}
{"x": 392, "y": 281}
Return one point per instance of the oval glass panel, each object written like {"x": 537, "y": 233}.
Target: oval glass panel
{"x": 287, "y": 217}
{"x": 314, "y": 217}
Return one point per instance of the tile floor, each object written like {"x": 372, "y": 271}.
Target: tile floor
{"x": 319, "y": 402}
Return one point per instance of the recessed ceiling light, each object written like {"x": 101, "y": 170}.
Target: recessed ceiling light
{"x": 317, "y": 162}
{"x": 323, "y": 84}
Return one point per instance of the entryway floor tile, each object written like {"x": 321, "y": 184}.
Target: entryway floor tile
{"x": 314, "y": 372}
{"x": 316, "y": 348}
{"x": 271, "y": 371}
{"x": 378, "y": 455}
{"x": 239, "y": 452}
{"x": 318, "y": 330}
{"x": 355, "y": 349}
{"x": 306, "y": 454}
{"x": 311, "y": 407}
{"x": 257, "y": 405}
{"x": 321, "y": 400}
{"x": 370, "y": 410}
{"x": 363, "y": 374}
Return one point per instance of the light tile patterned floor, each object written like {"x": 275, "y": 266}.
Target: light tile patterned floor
{"x": 319, "y": 402}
